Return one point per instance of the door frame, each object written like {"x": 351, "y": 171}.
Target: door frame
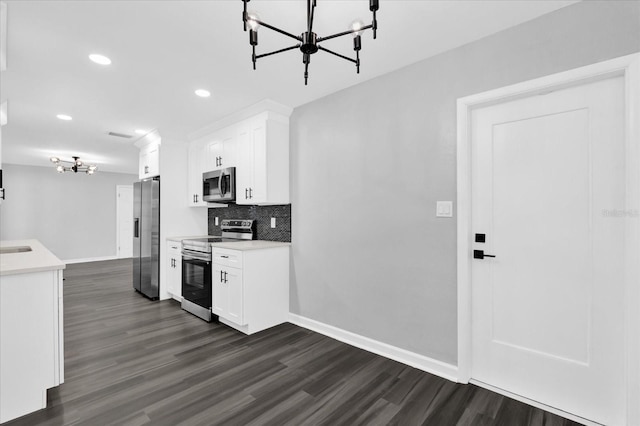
{"x": 118, "y": 218}
{"x": 628, "y": 67}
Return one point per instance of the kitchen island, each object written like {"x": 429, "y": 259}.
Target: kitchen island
{"x": 31, "y": 326}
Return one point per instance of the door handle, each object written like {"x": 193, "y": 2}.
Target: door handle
{"x": 479, "y": 254}
{"x": 250, "y": 192}
{"x": 246, "y": 191}
{"x": 196, "y": 198}
{"x": 225, "y": 277}
{"x": 136, "y": 227}
{"x": 221, "y": 276}
{"x": 220, "y": 160}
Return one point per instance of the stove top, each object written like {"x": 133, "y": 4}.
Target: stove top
{"x": 232, "y": 230}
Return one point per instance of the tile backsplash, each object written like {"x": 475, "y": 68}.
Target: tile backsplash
{"x": 261, "y": 215}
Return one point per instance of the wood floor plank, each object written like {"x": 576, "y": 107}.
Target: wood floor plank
{"x": 131, "y": 361}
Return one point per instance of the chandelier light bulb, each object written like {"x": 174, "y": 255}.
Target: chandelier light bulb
{"x": 54, "y": 160}
{"x": 357, "y": 26}
{"x": 60, "y": 169}
{"x": 252, "y": 21}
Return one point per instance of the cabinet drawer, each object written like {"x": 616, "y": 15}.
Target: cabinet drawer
{"x": 226, "y": 257}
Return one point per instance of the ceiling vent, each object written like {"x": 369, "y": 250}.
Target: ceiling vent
{"x": 120, "y": 135}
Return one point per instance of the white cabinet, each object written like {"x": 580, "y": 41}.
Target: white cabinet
{"x": 206, "y": 154}
{"x": 149, "y": 158}
{"x": 262, "y": 174}
{"x": 149, "y": 164}
{"x": 221, "y": 151}
{"x": 196, "y": 166}
{"x": 31, "y": 340}
{"x": 174, "y": 269}
{"x": 227, "y": 293}
{"x": 250, "y": 289}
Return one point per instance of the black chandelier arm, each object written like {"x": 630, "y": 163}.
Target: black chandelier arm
{"x": 338, "y": 55}
{"x": 296, "y": 46}
{"x": 278, "y": 30}
{"x": 344, "y": 33}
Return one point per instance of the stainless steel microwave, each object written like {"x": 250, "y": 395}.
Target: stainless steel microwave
{"x": 219, "y": 186}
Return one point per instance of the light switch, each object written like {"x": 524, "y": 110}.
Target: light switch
{"x": 216, "y": 221}
{"x": 444, "y": 208}
{"x": 273, "y": 222}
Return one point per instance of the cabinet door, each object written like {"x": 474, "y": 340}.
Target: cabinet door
{"x": 251, "y": 174}
{"x": 219, "y": 291}
{"x": 153, "y": 162}
{"x": 235, "y": 289}
{"x": 174, "y": 269}
{"x": 227, "y": 293}
{"x": 229, "y": 148}
{"x": 142, "y": 164}
{"x": 214, "y": 155}
{"x": 195, "y": 169}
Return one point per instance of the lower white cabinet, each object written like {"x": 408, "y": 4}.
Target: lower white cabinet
{"x": 174, "y": 269}
{"x": 31, "y": 340}
{"x": 250, "y": 288}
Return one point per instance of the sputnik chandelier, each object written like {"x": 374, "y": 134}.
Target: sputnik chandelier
{"x": 308, "y": 41}
{"x": 73, "y": 166}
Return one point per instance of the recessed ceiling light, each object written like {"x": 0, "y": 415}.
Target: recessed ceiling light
{"x": 64, "y": 117}
{"x": 203, "y": 93}
{"x": 141, "y": 132}
{"x": 100, "y": 59}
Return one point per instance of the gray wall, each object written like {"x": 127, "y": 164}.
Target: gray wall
{"x": 370, "y": 162}
{"x": 73, "y": 215}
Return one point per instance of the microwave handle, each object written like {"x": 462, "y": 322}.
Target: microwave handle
{"x": 220, "y": 182}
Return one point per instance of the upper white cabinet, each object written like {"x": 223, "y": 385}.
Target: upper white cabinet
{"x": 222, "y": 149}
{"x": 149, "y": 165}
{"x": 262, "y": 174}
{"x": 149, "y": 161}
{"x": 196, "y": 166}
{"x": 256, "y": 142}
{"x": 212, "y": 152}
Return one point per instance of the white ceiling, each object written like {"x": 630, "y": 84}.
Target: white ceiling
{"x": 163, "y": 50}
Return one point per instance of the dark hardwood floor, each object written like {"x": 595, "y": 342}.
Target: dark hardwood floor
{"x": 130, "y": 361}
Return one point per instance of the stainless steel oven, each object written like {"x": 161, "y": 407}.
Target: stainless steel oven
{"x": 219, "y": 185}
{"x": 196, "y": 282}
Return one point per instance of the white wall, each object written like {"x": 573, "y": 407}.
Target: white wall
{"x": 176, "y": 217}
{"x": 73, "y": 215}
{"x": 370, "y": 162}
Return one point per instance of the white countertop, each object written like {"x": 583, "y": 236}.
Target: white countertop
{"x": 37, "y": 260}
{"x": 250, "y": 245}
{"x": 179, "y": 239}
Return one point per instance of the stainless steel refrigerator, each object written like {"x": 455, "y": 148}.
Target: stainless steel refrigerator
{"x": 146, "y": 237}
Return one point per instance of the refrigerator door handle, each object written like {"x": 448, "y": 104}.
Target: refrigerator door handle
{"x": 136, "y": 227}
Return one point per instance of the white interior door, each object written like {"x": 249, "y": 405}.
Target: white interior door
{"x": 547, "y": 316}
{"x": 124, "y": 207}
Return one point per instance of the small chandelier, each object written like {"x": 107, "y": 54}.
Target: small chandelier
{"x": 308, "y": 40}
{"x": 73, "y": 166}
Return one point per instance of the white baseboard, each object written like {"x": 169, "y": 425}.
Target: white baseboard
{"x": 421, "y": 362}
{"x": 91, "y": 259}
